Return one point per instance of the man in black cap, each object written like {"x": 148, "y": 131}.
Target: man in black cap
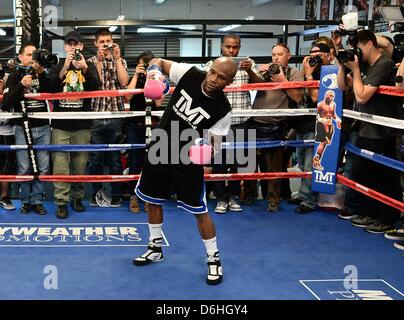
{"x": 75, "y": 75}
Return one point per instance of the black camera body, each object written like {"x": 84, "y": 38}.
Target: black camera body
{"x": 315, "y": 61}
{"x": 352, "y": 36}
{"x": 273, "y": 69}
{"x": 45, "y": 58}
{"x": 77, "y": 55}
{"x": 108, "y": 46}
{"x": 344, "y": 56}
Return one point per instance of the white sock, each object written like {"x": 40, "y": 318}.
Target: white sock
{"x": 211, "y": 246}
{"x": 155, "y": 231}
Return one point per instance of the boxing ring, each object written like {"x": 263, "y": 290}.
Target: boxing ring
{"x": 266, "y": 256}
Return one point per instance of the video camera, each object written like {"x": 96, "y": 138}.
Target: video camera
{"x": 352, "y": 36}
{"x": 273, "y": 69}
{"x": 344, "y": 56}
{"x": 45, "y": 58}
{"x": 15, "y": 66}
{"x": 315, "y": 61}
{"x": 395, "y": 14}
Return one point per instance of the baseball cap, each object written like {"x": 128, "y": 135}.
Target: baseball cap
{"x": 322, "y": 47}
{"x": 73, "y": 35}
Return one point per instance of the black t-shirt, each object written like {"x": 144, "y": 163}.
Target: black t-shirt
{"x": 190, "y": 108}
{"x": 379, "y": 104}
{"x": 14, "y": 94}
{"x": 75, "y": 81}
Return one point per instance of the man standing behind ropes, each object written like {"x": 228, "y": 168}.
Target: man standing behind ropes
{"x": 112, "y": 69}
{"x": 75, "y": 75}
{"x": 247, "y": 72}
{"x": 30, "y": 77}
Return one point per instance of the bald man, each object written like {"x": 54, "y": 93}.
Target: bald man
{"x": 197, "y": 109}
{"x": 324, "y": 126}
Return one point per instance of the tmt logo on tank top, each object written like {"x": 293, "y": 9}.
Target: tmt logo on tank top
{"x": 183, "y": 109}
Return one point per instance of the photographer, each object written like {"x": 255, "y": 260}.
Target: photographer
{"x": 112, "y": 69}
{"x": 7, "y": 158}
{"x": 135, "y": 126}
{"x": 30, "y": 77}
{"x": 276, "y": 128}
{"x": 75, "y": 75}
{"x": 376, "y": 216}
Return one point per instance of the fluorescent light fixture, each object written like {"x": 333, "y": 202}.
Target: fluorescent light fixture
{"x": 151, "y": 30}
{"x": 180, "y": 26}
{"x": 249, "y": 18}
{"x": 2, "y": 32}
{"x": 121, "y": 17}
{"x": 159, "y": 1}
{"x": 229, "y": 27}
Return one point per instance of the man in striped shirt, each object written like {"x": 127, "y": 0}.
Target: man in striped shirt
{"x": 112, "y": 69}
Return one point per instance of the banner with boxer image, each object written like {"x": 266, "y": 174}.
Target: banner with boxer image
{"x": 327, "y": 132}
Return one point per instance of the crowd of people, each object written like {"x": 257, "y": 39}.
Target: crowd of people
{"x": 371, "y": 66}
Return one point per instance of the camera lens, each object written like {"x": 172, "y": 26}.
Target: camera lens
{"x": 77, "y": 55}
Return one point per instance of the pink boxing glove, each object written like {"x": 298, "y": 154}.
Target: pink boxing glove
{"x": 156, "y": 84}
{"x": 201, "y": 152}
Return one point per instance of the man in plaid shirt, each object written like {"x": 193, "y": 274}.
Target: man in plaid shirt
{"x": 113, "y": 72}
{"x": 247, "y": 72}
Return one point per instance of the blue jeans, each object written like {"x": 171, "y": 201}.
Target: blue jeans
{"x": 352, "y": 200}
{"x": 32, "y": 192}
{"x": 305, "y": 159}
{"x": 135, "y": 134}
{"x": 106, "y": 131}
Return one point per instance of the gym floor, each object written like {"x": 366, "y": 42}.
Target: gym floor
{"x": 265, "y": 256}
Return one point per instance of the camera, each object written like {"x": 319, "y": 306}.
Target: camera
{"x": 352, "y": 36}
{"x": 315, "y": 61}
{"x": 349, "y": 55}
{"x": 15, "y": 66}
{"x": 77, "y": 55}
{"x": 45, "y": 58}
{"x": 108, "y": 46}
{"x": 273, "y": 69}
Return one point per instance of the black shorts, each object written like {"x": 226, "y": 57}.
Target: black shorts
{"x": 158, "y": 182}
{"x": 321, "y": 134}
{"x": 7, "y": 158}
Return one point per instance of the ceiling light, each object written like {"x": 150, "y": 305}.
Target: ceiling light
{"x": 181, "y": 26}
{"x": 151, "y": 30}
{"x": 113, "y": 28}
{"x": 2, "y": 32}
{"x": 229, "y": 27}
